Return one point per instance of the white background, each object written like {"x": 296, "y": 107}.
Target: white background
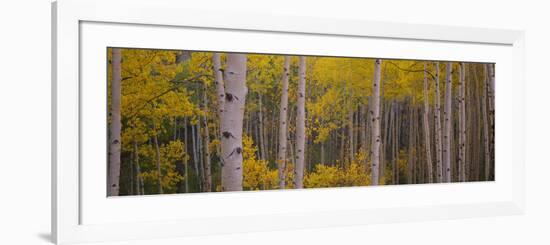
{"x": 25, "y": 122}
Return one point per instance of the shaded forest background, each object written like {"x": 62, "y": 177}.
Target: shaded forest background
{"x": 186, "y": 121}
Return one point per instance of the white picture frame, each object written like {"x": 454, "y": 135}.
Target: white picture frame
{"x": 79, "y": 216}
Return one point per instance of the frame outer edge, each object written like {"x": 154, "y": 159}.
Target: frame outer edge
{"x": 65, "y": 227}
{"x": 53, "y": 149}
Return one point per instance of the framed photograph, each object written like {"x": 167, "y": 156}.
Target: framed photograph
{"x": 168, "y": 124}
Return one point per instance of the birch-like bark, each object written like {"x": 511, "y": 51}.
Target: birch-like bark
{"x": 207, "y": 161}
{"x": 395, "y": 144}
{"x": 484, "y": 96}
{"x": 218, "y": 80}
{"x": 411, "y": 148}
{"x": 491, "y": 104}
{"x": 200, "y": 150}
{"x": 438, "y": 131}
{"x": 232, "y": 123}
{"x": 300, "y": 125}
{"x": 448, "y": 124}
{"x": 114, "y": 140}
{"x": 363, "y": 123}
{"x": 195, "y": 154}
{"x": 426, "y": 125}
{"x": 159, "y": 174}
{"x": 283, "y": 127}
{"x": 261, "y": 127}
{"x": 375, "y": 112}
{"x": 185, "y": 163}
{"x": 139, "y": 179}
{"x": 351, "y": 137}
{"x": 461, "y": 124}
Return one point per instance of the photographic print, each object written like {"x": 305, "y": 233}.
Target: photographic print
{"x": 185, "y": 121}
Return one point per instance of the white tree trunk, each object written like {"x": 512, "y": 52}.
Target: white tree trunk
{"x": 448, "y": 123}
{"x": 300, "y": 125}
{"x": 232, "y": 123}
{"x": 261, "y": 128}
{"x": 114, "y": 141}
{"x": 139, "y": 179}
{"x": 427, "y": 127}
{"x": 437, "y": 119}
{"x": 283, "y": 127}
{"x": 461, "y": 124}
{"x": 375, "y": 112}
{"x": 207, "y": 162}
{"x": 218, "y": 75}
{"x": 157, "y": 154}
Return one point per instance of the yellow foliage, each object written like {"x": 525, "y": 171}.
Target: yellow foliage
{"x": 169, "y": 155}
{"x": 256, "y": 173}
{"x": 333, "y": 176}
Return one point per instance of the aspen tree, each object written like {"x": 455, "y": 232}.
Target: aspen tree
{"x": 375, "y": 112}
{"x": 300, "y": 125}
{"x": 484, "y": 98}
{"x": 461, "y": 124}
{"x": 283, "y": 128}
{"x": 491, "y": 104}
{"x": 115, "y": 129}
{"x": 427, "y": 127}
{"x": 438, "y": 131}
{"x": 448, "y": 124}
{"x": 207, "y": 162}
{"x": 232, "y": 122}
{"x": 157, "y": 155}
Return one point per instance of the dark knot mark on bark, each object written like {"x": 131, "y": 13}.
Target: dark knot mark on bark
{"x": 113, "y": 185}
{"x": 229, "y": 97}
{"x": 115, "y": 142}
{"x": 301, "y": 95}
{"x": 228, "y": 135}
{"x": 237, "y": 150}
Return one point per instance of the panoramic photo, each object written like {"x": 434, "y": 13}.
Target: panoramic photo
{"x": 181, "y": 121}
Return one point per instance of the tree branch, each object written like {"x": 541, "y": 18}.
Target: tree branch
{"x": 410, "y": 70}
{"x": 177, "y": 85}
